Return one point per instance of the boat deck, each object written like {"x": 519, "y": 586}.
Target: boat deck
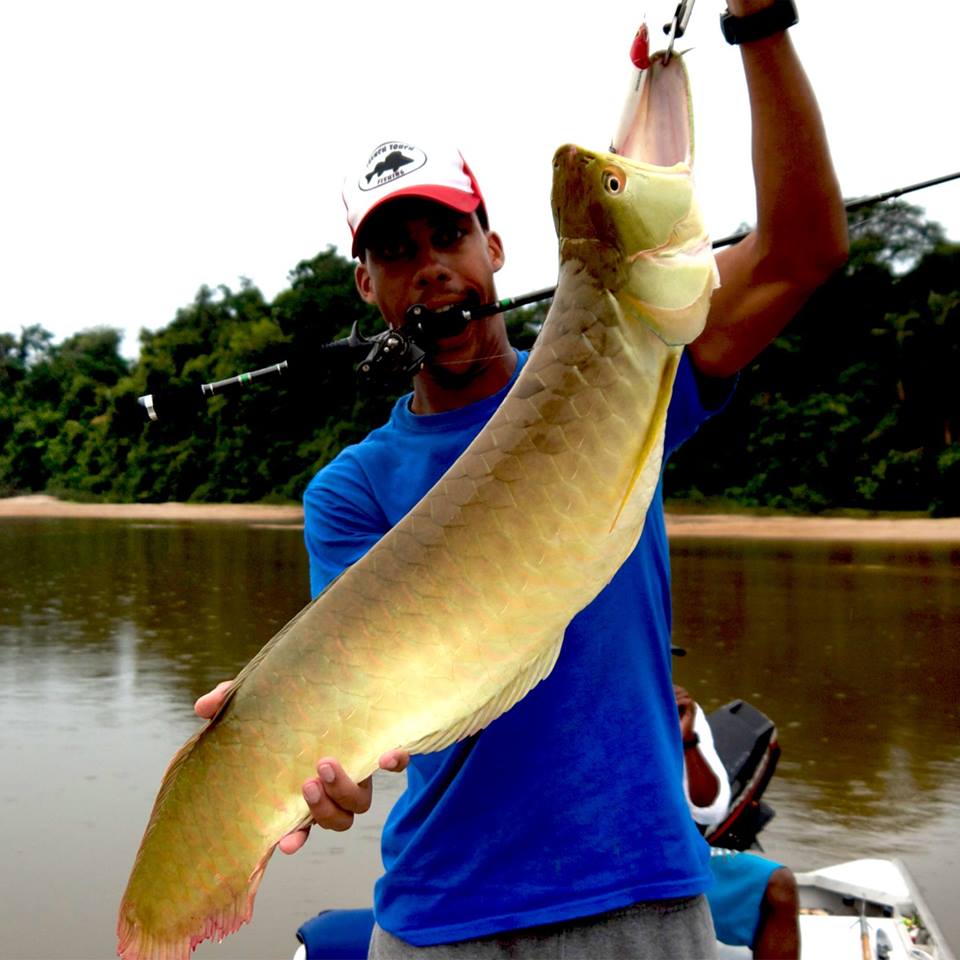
{"x": 832, "y": 901}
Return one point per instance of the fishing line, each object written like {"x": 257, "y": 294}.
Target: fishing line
{"x": 492, "y": 356}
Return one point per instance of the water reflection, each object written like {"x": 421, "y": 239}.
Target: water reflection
{"x": 195, "y": 602}
{"x": 108, "y": 630}
{"x": 851, "y": 649}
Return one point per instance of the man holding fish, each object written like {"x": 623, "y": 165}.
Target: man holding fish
{"x": 538, "y": 835}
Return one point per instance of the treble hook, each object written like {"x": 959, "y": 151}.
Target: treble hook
{"x": 676, "y": 27}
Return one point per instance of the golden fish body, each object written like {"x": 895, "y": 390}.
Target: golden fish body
{"x": 460, "y": 609}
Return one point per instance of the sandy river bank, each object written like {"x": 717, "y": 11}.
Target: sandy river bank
{"x": 679, "y": 525}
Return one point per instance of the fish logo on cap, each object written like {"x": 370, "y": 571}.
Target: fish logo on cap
{"x": 390, "y": 161}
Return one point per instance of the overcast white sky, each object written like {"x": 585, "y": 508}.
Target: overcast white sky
{"x": 149, "y": 148}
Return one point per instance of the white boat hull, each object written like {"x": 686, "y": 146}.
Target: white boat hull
{"x": 898, "y": 923}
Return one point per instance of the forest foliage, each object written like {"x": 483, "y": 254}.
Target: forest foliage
{"x": 855, "y": 406}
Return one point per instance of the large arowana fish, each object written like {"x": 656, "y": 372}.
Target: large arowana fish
{"x": 461, "y": 608}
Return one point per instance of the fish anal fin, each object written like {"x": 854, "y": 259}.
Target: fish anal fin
{"x": 521, "y": 684}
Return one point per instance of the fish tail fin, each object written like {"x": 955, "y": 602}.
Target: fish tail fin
{"x": 136, "y": 942}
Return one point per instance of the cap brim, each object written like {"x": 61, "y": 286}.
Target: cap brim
{"x": 448, "y": 196}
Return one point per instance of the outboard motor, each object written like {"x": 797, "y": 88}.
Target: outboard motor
{"x": 746, "y": 742}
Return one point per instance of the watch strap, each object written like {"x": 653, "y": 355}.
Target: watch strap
{"x": 779, "y": 16}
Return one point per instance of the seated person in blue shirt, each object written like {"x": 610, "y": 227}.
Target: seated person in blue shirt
{"x": 754, "y": 901}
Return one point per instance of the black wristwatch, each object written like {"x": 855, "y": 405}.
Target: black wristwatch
{"x": 776, "y": 18}
{"x": 694, "y": 741}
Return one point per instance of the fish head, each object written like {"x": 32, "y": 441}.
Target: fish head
{"x": 631, "y": 216}
{"x": 613, "y": 201}
{"x": 637, "y": 229}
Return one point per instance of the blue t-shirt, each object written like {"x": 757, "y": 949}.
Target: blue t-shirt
{"x": 571, "y": 803}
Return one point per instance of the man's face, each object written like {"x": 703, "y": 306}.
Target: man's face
{"x": 418, "y": 251}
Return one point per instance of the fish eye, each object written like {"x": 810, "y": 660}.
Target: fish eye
{"x": 613, "y": 181}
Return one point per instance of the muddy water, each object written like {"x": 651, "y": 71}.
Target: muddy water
{"x": 109, "y": 630}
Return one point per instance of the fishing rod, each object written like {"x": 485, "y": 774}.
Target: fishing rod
{"x": 859, "y": 203}
{"x": 548, "y": 292}
{"x": 176, "y": 401}
{"x": 399, "y": 353}
{"x": 900, "y": 191}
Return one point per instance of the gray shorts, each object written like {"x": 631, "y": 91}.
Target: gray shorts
{"x": 679, "y": 929}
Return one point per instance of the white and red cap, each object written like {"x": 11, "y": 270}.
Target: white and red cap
{"x": 397, "y": 169}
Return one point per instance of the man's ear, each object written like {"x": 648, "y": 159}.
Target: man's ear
{"x": 495, "y": 249}
{"x": 361, "y": 276}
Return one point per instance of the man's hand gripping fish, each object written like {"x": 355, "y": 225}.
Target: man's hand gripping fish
{"x": 461, "y": 608}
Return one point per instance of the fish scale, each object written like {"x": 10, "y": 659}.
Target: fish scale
{"x": 459, "y": 610}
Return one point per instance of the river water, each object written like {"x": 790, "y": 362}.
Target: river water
{"x": 110, "y": 629}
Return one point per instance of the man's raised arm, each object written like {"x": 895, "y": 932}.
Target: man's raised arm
{"x": 801, "y": 233}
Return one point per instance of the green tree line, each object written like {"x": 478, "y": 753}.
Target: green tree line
{"x": 855, "y": 406}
